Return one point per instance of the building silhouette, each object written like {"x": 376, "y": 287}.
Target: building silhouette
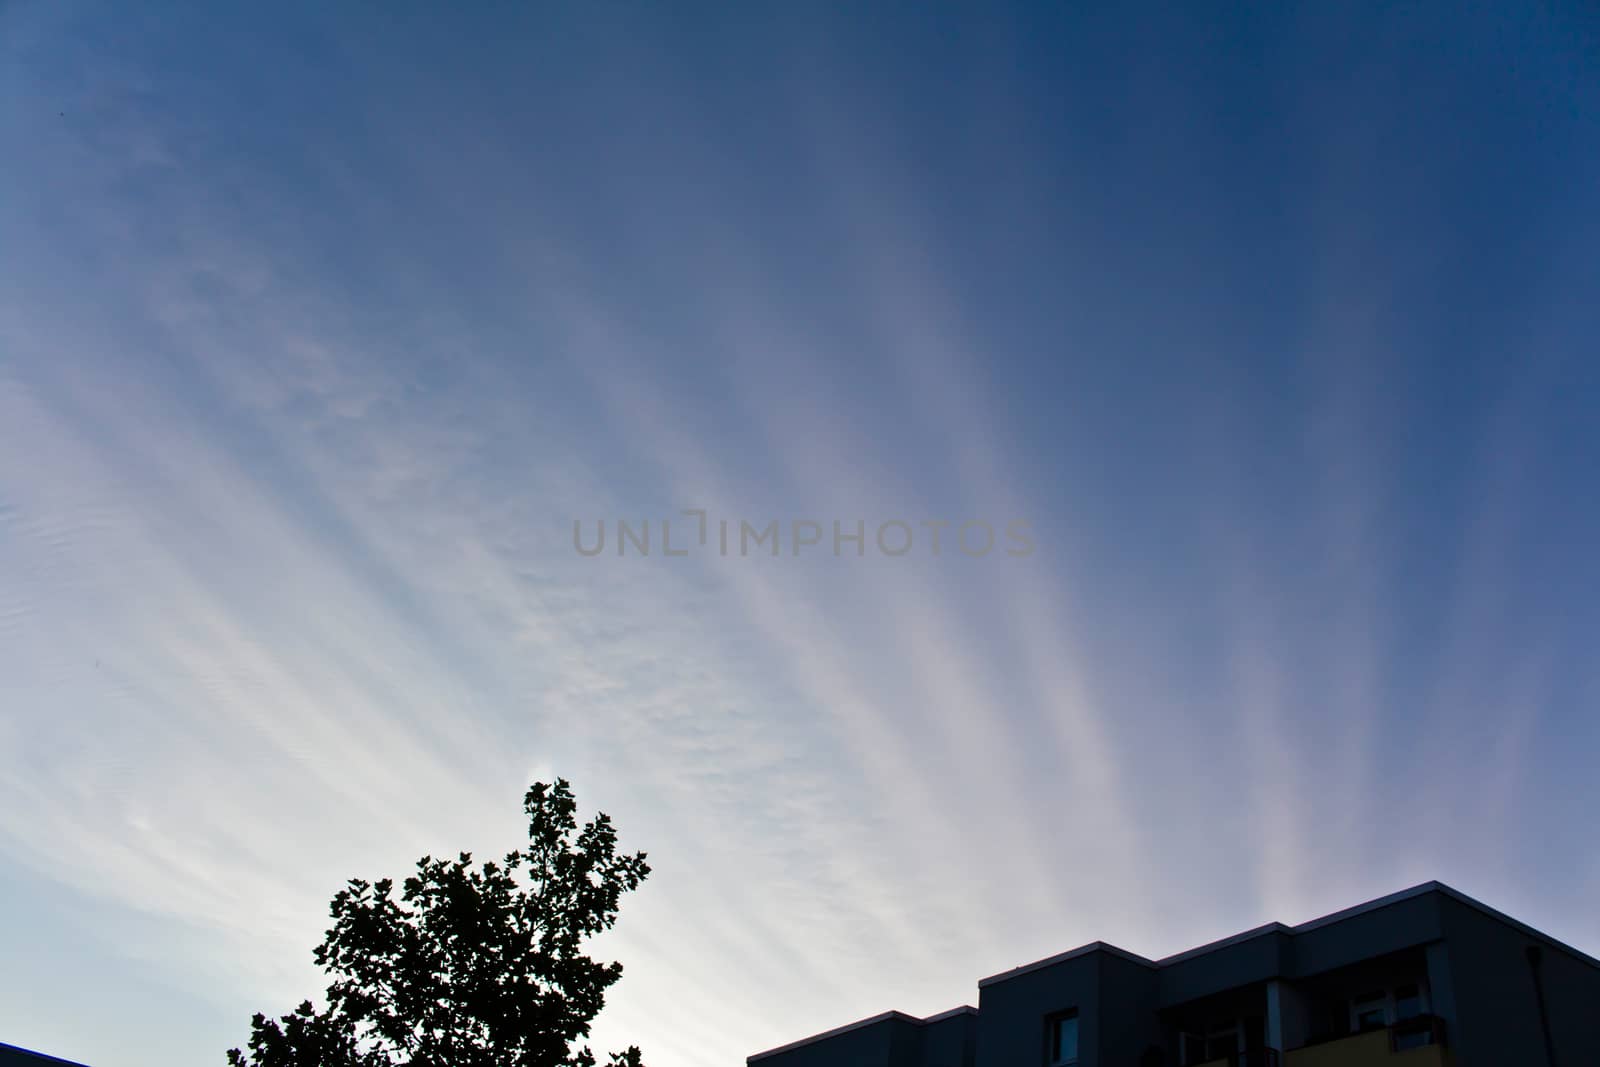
{"x": 1427, "y": 977}
{"x": 12, "y": 1056}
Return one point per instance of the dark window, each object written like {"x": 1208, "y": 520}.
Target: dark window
{"x": 1407, "y": 1002}
{"x": 1223, "y": 1044}
{"x": 1368, "y": 1011}
{"x": 1063, "y": 1035}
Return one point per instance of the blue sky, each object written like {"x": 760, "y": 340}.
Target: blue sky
{"x": 321, "y": 325}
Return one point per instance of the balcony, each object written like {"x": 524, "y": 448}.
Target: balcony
{"x": 1417, "y": 1042}
{"x": 1267, "y": 1057}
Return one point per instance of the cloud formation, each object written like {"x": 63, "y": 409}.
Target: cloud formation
{"x": 311, "y": 354}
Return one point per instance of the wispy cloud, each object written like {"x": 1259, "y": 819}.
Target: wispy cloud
{"x": 296, "y": 416}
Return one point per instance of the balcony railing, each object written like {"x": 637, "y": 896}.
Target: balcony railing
{"x": 1418, "y": 1031}
{"x": 1415, "y": 1042}
{"x": 1266, "y": 1057}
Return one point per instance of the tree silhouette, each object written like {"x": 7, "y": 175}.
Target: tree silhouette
{"x": 470, "y": 966}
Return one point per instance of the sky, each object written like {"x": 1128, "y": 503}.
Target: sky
{"x": 330, "y": 334}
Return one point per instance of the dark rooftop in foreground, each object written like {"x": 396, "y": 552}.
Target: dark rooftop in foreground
{"x": 1423, "y": 977}
{"x": 12, "y": 1056}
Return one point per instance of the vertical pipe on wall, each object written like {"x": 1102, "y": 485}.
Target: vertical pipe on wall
{"x": 1536, "y": 967}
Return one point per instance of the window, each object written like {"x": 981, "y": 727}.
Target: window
{"x": 1063, "y": 1034}
{"x": 1407, "y": 1002}
{"x": 1412, "y": 1029}
{"x": 1217, "y": 1041}
{"x": 1370, "y": 1011}
{"x": 1389, "y": 1007}
{"x": 1223, "y": 1040}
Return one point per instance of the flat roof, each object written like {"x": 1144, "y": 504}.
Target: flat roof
{"x": 1062, "y": 957}
{"x": 861, "y": 1024}
{"x": 1313, "y": 924}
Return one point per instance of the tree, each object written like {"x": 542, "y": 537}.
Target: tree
{"x": 470, "y": 966}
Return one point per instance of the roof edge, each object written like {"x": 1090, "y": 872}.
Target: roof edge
{"x": 1459, "y": 897}
{"x": 1312, "y": 924}
{"x": 1062, "y": 957}
{"x": 861, "y": 1024}
{"x": 1366, "y": 906}
{"x": 965, "y": 1009}
{"x": 1516, "y": 924}
{"x": 1225, "y": 942}
{"x": 42, "y": 1057}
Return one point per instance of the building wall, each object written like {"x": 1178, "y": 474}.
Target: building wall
{"x": 1496, "y": 1004}
{"x": 890, "y": 1042}
{"x": 1403, "y": 924}
{"x": 1572, "y": 995}
{"x": 950, "y": 1042}
{"x": 1254, "y": 959}
{"x": 1012, "y": 1012}
{"x": 1128, "y": 1022}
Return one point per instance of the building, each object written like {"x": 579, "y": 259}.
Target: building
{"x": 12, "y": 1056}
{"x": 1427, "y": 977}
